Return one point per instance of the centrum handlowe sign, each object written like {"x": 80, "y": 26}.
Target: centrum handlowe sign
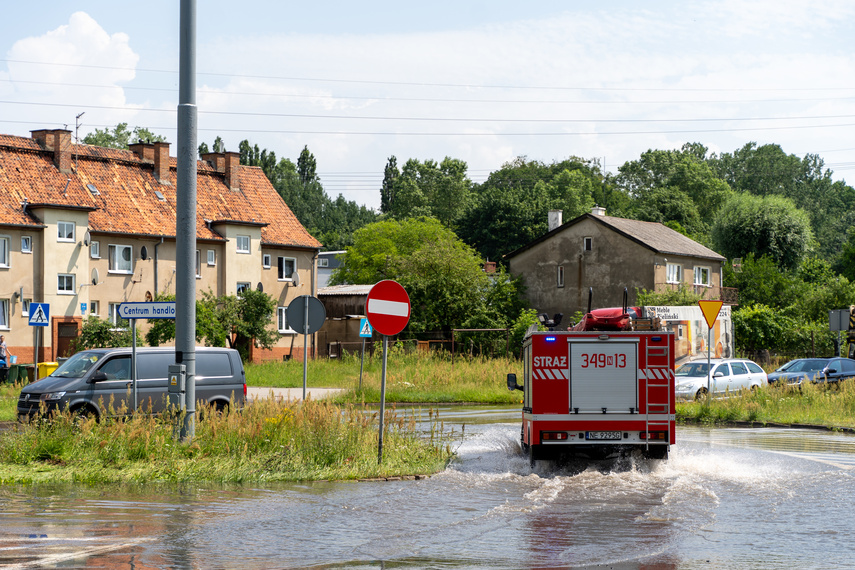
{"x": 156, "y": 310}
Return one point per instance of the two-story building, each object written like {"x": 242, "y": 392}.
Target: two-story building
{"x": 85, "y": 228}
{"x": 608, "y": 254}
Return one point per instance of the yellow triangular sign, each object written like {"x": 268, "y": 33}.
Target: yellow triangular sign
{"x": 710, "y": 309}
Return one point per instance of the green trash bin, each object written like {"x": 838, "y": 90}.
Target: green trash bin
{"x": 15, "y": 373}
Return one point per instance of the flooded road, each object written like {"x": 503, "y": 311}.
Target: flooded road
{"x": 727, "y": 498}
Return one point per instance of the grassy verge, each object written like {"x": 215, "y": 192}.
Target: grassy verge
{"x": 9, "y": 401}
{"x": 410, "y": 378}
{"x": 813, "y": 404}
{"x": 267, "y": 441}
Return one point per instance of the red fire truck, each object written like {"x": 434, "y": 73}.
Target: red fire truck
{"x": 597, "y": 394}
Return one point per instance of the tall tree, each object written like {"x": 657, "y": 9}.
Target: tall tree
{"x": 441, "y": 190}
{"x": 120, "y": 136}
{"x": 387, "y": 190}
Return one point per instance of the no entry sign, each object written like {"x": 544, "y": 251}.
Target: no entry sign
{"x": 388, "y": 307}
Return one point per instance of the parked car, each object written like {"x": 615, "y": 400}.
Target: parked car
{"x": 801, "y": 370}
{"x": 728, "y": 375}
{"x": 98, "y": 382}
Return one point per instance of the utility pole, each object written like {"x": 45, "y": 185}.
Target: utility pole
{"x": 185, "y": 222}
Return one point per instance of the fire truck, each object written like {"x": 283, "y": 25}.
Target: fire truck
{"x": 597, "y": 394}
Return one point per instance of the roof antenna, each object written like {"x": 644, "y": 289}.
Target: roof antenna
{"x": 77, "y": 136}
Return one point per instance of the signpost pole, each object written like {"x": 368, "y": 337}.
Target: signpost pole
{"x": 382, "y": 399}
{"x": 361, "y": 363}
{"x": 134, "y": 361}
{"x": 305, "y": 343}
{"x": 709, "y": 360}
{"x": 710, "y": 309}
{"x": 38, "y": 345}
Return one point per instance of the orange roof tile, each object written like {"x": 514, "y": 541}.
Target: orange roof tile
{"x": 127, "y": 202}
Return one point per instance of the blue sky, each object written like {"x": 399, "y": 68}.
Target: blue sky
{"x": 481, "y": 81}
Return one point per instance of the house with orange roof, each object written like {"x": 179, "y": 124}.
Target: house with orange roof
{"x": 85, "y": 228}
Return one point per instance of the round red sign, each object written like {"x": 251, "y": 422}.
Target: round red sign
{"x": 388, "y": 307}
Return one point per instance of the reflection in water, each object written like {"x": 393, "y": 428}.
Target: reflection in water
{"x": 727, "y": 498}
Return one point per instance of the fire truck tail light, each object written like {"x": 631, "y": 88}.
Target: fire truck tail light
{"x": 653, "y": 435}
{"x": 553, "y": 435}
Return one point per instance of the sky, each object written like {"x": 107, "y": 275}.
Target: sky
{"x": 480, "y": 81}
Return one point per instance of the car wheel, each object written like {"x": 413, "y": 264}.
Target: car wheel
{"x": 701, "y": 394}
{"x": 84, "y": 413}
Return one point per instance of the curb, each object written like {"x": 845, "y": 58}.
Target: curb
{"x": 748, "y": 424}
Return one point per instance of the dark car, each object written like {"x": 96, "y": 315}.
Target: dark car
{"x": 831, "y": 370}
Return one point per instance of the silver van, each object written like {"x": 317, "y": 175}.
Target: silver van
{"x": 98, "y": 382}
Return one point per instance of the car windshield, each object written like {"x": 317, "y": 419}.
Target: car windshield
{"x": 77, "y": 366}
{"x": 806, "y": 365}
{"x": 693, "y": 369}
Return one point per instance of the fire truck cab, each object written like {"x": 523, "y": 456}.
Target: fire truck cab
{"x": 597, "y": 394}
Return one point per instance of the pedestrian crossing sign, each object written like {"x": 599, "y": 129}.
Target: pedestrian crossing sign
{"x": 39, "y": 314}
{"x": 365, "y": 328}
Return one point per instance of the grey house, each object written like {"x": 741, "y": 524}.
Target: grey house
{"x": 609, "y": 254}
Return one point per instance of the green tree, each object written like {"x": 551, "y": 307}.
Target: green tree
{"x": 100, "y": 333}
{"x": 769, "y": 225}
{"x": 387, "y": 190}
{"x": 120, "y": 136}
{"x": 439, "y": 190}
{"x": 442, "y": 275}
{"x": 761, "y": 281}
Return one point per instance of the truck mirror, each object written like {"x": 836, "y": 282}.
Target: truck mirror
{"x": 512, "y": 383}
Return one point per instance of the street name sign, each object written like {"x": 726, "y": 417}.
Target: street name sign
{"x": 151, "y": 310}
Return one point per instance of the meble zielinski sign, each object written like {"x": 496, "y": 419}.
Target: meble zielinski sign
{"x": 156, "y": 310}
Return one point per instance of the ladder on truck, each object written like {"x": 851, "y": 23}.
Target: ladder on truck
{"x": 658, "y": 377}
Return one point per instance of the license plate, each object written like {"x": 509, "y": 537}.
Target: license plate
{"x": 603, "y": 435}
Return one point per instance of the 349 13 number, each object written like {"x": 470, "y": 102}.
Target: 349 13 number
{"x": 599, "y": 360}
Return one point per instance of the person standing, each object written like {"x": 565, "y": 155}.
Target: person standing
{"x": 5, "y": 355}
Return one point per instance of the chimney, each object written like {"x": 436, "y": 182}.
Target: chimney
{"x": 217, "y": 160}
{"x": 233, "y": 170}
{"x": 489, "y": 267}
{"x": 57, "y": 141}
{"x": 598, "y": 211}
{"x": 554, "y": 219}
{"x": 144, "y": 151}
{"x": 161, "y": 162}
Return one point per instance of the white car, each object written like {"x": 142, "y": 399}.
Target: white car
{"x": 728, "y": 375}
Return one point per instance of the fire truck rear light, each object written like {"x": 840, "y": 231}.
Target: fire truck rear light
{"x": 653, "y": 435}
{"x": 553, "y": 435}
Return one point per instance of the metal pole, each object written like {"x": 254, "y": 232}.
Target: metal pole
{"x": 382, "y": 400}
{"x": 305, "y": 342}
{"x": 134, "y": 361}
{"x": 38, "y": 344}
{"x": 709, "y": 361}
{"x": 185, "y": 230}
{"x": 361, "y": 363}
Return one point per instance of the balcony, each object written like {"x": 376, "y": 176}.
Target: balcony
{"x": 728, "y": 295}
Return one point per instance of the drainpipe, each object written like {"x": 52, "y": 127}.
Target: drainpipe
{"x": 157, "y": 245}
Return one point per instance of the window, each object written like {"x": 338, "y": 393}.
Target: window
{"x": 561, "y": 276}
{"x": 212, "y": 257}
{"x": 4, "y": 252}
{"x": 702, "y": 276}
{"x": 675, "y": 273}
{"x": 26, "y": 244}
{"x": 588, "y": 244}
{"x": 114, "y": 317}
{"x": 25, "y": 308}
{"x": 265, "y": 261}
{"x": 243, "y": 286}
{"x": 738, "y": 368}
{"x": 198, "y": 264}
{"x": 121, "y": 259}
{"x": 95, "y": 250}
{"x": 287, "y": 266}
{"x": 243, "y": 244}
{"x": 754, "y": 368}
{"x": 323, "y": 262}
{"x": 65, "y": 231}
{"x": 4, "y": 314}
{"x": 282, "y": 321}
{"x": 65, "y": 284}
{"x": 93, "y": 308}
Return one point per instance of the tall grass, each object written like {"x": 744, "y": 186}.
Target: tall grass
{"x": 410, "y": 377}
{"x": 266, "y": 441}
{"x": 817, "y": 404}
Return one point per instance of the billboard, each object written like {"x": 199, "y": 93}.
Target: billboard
{"x": 691, "y": 332}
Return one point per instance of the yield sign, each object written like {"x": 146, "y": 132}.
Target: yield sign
{"x": 710, "y": 309}
{"x": 388, "y": 307}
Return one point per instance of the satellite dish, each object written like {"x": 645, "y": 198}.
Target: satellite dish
{"x": 87, "y": 239}
{"x": 143, "y": 253}
{"x": 94, "y": 276}
{"x": 295, "y": 279}
{"x": 259, "y": 287}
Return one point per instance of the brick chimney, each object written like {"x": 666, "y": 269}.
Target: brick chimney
{"x": 161, "y": 162}
{"x": 233, "y": 170}
{"x": 57, "y": 141}
{"x": 144, "y": 151}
